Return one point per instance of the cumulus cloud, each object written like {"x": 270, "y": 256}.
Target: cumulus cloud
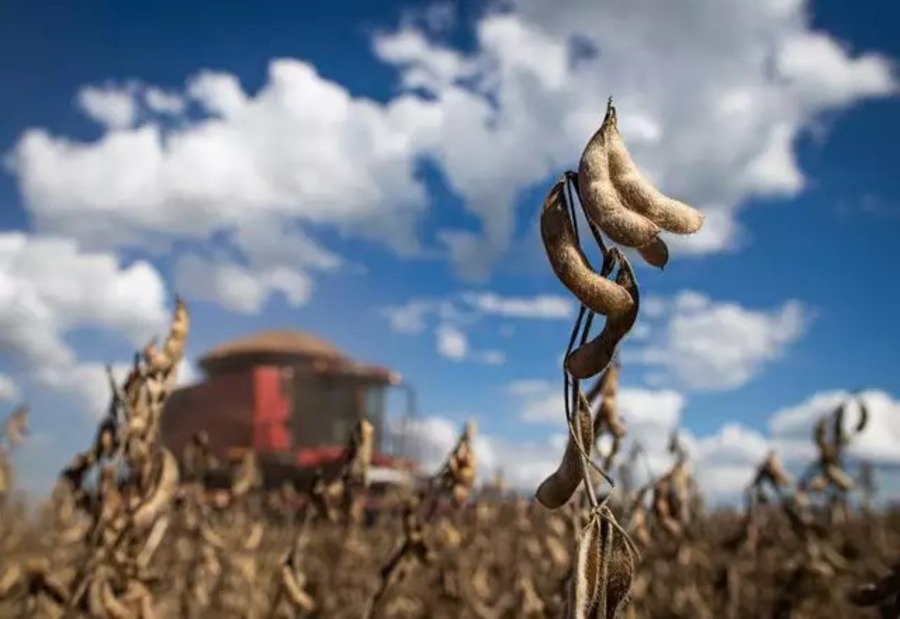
{"x": 508, "y": 114}
{"x": 723, "y": 461}
{"x": 50, "y": 287}
{"x": 301, "y": 149}
{"x": 542, "y": 306}
{"x": 469, "y": 307}
{"x": 111, "y": 106}
{"x": 879, "y": 441}
{"x": 85, "y": 383}
{"x": 453, "y": 315}
{"x": 524, "y": 464}
{"x": 452, "y": 343}
{"x": 413, "y": 316}
{"x": 164, "y": 102}
{"x": 492, "y": 357}
{"x": 240, "y": 289}
{"x": 648, "y": 414}
{"x": 9, "y": 390}
{"x": 703, "y": 344}
{"x": 188, "y": 372}
{"x": 750, "y": 78}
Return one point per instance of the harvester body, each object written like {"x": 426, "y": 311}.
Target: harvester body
{"x": 293, "y": 400}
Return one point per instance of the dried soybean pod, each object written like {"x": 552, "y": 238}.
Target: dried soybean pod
{"x": 15, "y": 429}
{"x": 836, "y": 475}
{"x": 113, "y": 607}
{"x": 93, "y": 598}
{"x": 603, "y": 571}
{"x": 173, "y": 348}
{"x": 606, "y": 390}
{"x": 163, "y": 494}
{"x": 662, "y": 508}
{"x": 600, "y": 199}
{"x": 621, "y": 568}
{"x": 655, "y": 253}
{"x": 292, "y": 584}
{"x": 638, "y": 193}
{"x": 585, "y": 579}
{"x": 773, "y": 469}
{"x": 570, "y": 264}
{"x": 592, "y": 357}
{"x": 558, "y": 488}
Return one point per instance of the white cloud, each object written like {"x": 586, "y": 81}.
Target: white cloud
{"x": 542, "y": 306}
{"x": 722, "y": 462}
{"x": 524, "y": 464}
{"x": 452, "y": 343}
{"x": 410, "y": 318}
{"x": 725, "y": 462}
{"x": 430, "y": 440}
{"x": 426, "y": 66}
{"x": 188, "y": 372}
{"x": 528, "y": 387}
{"x": 650, "y": 414}
{"x": 879, "y": 441}
{"x": 519, "y": 108}
{"x": 50, "y": 287}
{"x": 301, "y": 149}
{"x": 798, "y": 419}
{"x": 539, "y": 401}
{"x": 9, "y": 390}
{"x": 712, "y": 345}
{"x": 111, "y": 106}
{"x": 238, "y": 288}
{"x": 456, "y": 313}
{"x": 470, "y": 307}
{"x": 492, "y": 357}
{"x": 251, "y": 174}
{"x": 734, "y": 444}
{"x": 85, "y": 383}
{"x": 728, "y": 135}
{"x": 36, "y": 465}
{"x": 163, "y": 102}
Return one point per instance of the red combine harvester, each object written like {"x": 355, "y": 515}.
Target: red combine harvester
{"x": 293, "y": 399}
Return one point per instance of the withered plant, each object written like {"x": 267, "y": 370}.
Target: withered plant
{"x": 620, "y": 202}
{"x": 827, "y": 475}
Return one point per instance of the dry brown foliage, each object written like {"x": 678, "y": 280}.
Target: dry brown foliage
{"x": 620, "y": 202}
{"x": 492, "y": 559}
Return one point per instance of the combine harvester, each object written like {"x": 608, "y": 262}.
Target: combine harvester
{"x": 293, "y": 400}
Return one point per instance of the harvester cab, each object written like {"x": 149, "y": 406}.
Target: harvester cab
{"x": 293, "y": 400}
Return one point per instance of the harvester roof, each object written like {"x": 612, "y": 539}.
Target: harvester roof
{"x": 283, "y": 341}
{"x": 287, "y": 347}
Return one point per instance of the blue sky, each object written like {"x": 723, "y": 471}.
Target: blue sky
{"x": 373, "y": 173}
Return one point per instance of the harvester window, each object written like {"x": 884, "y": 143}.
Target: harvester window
{"x": 342, "y": 430}
{"x": 373, "y": 408}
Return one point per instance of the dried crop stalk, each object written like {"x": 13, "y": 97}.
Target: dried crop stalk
{"x": 620, "y": 202}
{"x": 138, "y": 482}
{"x": 827, "y": 475}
